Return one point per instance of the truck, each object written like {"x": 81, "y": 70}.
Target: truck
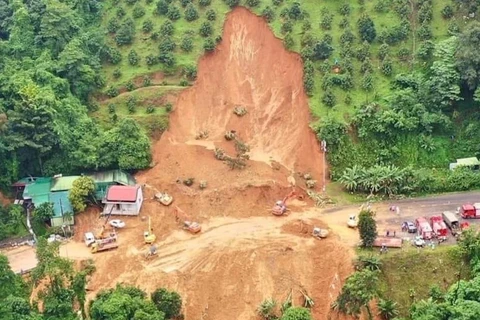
{"x": 452, "y": 222}
{"x": 439, "y": 227}
{"x": 98, "y": 246}
{"x": 90, "y": 239}
{"x": 469, "y": 211}
{"x": 424, "y": 229}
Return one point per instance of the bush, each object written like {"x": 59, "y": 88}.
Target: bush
{"x": 131, "y": 104}
{"x": 187, "y": 43}
{"x": 147, "y": 81}
{"x": 117, "y": 73}
{"x": 453, "y": 28}
{"x": 366, "y": 66}
{"x": 150, "y": 109}
{"x": 121, "y": 12}
{"x": 382, "y": 6}
{"x": 424, "y": 32}
{"x": 306, "y": 26}
{"x": 211, "y": 15}
{"x": 113, "y": 55}
{"x": 191, "y": 12}
{"x": 295, "y": 12}
{"x": 130, "y": 85}
{"x": 133, "y": 58}
{"x": 147, "y": 26}
{"x": 344, "y": 23}
{"x": 366, "y": 28}
{"x": 252, "y": 3}
{"x": 277, "y": 3}
{"x": 232, "y": 3}
{"x": 387, "y": 66}
{"x": 111, "y": 108}
{"x": 112, "y": 92}
{"x": 206, "y": 29}
{"x": 130, "y": 2}
{"x": 326, "y": 19}
{"x": 425, "y": 51}
{"x": 167, "y": 58}
{"x": 367, "y": 82}
{"x": 154, "y": 36}
{"x": 167, "y": 45}
{"x": 348, "y": 99}
{"x": 403, "y": 54}
{"x": 209, "y": 45}
{"x": 151, "y": 60}
{"x": 347, "y": 37}
{"x": 185, "y": 3}
{"x": 363, "y": 51}
{"x": 162, "y": 7}
{"x": 169, "y": 302}
{"x": 138, "y": 12}
{"x": 447, "y": 12}
{"x": 329, "y": 99}
{"x": 184, "y": 83}
{"x": 126, "y": 33}
{"x": 167, "y": 28}
{"x": 321, "y": 50}
{"x": 296, "y": 313}
{"x": 173, "y": 12}
{"x": 113, "y": 25}
{"x": 345, "y": 9}
{"x": 190, "y": 72}
{"x": 425, "y": 13}
{"x": 204, "y": 3}
{"x": 288, "y": 41}
{"x": 287, "y": 27}
{"x": 168, "y": 107}
{"x": 383, "y": 51}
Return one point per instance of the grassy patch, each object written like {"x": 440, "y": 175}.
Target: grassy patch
{"x": 409, "y": 274}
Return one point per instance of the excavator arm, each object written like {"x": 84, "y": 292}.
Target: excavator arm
{"x": 289, "y": 196}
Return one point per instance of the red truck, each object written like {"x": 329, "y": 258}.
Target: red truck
{"x": 424, "y": 228}
{"x": 468, "y": 211}
{"x": 439, "y": 227}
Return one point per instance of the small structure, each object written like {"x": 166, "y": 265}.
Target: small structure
{"x": 103, "y": 180}
{"x": 123, "y": 200}
{"x": 472, "y": 163}
{"x": 387, "y": 242}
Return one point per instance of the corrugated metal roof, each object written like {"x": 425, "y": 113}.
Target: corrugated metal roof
{"x": 473, "y": 161}
{"x": 38, "y": 191}
{"x": 60, "y": 203}
{"x": 113, "y": 176}
{"x": 63, "y": 183}
{"x": 122, "y": 193}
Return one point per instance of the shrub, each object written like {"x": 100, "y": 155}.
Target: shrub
{"x": 453, "y": 28}
{"x": 363, "y": 51}
{"x": 185, "y": 3}
{"x": 306, "y": 26}
{"x": 348, "y": 99}
{"x": 387, "y": 66}
{"x": 424, "y": 32}
{"x": 169, "y": 302}
{"x": 211, "y": 15}
{"x": 347, "y": 37}
{"x": 150, "y": 109}
{"x": 447, "y": 12}
{"x": 112, "y": 92}
{"x": 154, "y": 36}
{"x": 344, "y": 23}
{"x": 147, "y": 26}
{"x": 111, "y": 108}
{"x": 403, "y": 54}
{"x": 287, "y": 27}
{"x": 277, "y": 3}
{"x": 131, "y": 103}
{"x": 187, "y": 43}
{"x": 252, "y": 3}
{"x": 381, "y": 6}
{"x": 326, "y": 19}
{"x": 113, "y": 25}
{"x": 121, "y": 12}
{"x": 184, "y": 83}
{"x": 345, "y": 9}
{"x": 138, "y": 12}
{"x": 162, "y": 7}
{"x": 268, "y": 13}
{"x": 425, "y": 51}
{"x": 148, "y": 1}
{"x": 167, "y": 58}
{"x": 206, "y": 29}
{"x": 168, "y": 107}
{"x": 366, "y": 66}
{"x": 366, "y": 28}
{"x": 329, "y": 99}
{"x": 218, "y": 39}
{"x": 167, "y": 45}
{"x": 383, "y": 51}
{"x": 173, "y": 12}
{"x": 232, "y": 3}
{"x": 133, "y": 58}
{"x": 209, "y": 45}
{"x": 295, "y": 12}
{"x": 151, "y": 60}
{"x": 130, "y": 85}
{"x": 117, "y": 73}
{"x": 296, "y": 313}
{"x": 191, "y": 12}
{"x": 130, "y": 2}
{"x": 147, "y": 81}
{"x": 167, "y": 28}
{"x": 367, "y": 82}
{"x": 425, "y": 13}
{"x": 113, "y": 55}
{"x": 288, "y": 41}
{"x": 322, "y": 50}
{"x": 204, "y": 3}
{"x": 190, "y": 72}
{"x": 126, "y": 33}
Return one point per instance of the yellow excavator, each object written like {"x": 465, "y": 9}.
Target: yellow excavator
{"x": 149, "y": 236}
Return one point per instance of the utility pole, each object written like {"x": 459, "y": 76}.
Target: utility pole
{"x": 323, "y": 146}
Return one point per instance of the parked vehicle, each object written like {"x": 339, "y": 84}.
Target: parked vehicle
{"x": 468, "y": 211}
{"x": 410, "y": 227}
{"x": 439, "y": 227}
{"x": 419, "y": 242}
{"x": 452, "y": 222}
{"x": 116, "y": 223}
{"x": 424, "y": 228}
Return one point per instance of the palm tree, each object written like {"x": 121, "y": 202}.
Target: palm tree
{"x": 387, "y": 309}
{"x": 350, "y": 177}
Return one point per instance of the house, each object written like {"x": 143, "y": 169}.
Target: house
{"x": 472, "y": 163}
{"x": 123, "y": 200}
{"x": 105, "y": 179}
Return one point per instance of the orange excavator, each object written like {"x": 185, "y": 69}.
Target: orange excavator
{"x": 280, "y": 207}
{"x": 190, "y": 226}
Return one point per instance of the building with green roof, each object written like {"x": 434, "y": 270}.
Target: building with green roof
{"x": 63, "y": 183}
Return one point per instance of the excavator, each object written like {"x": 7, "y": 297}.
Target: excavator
{"x": 190, "y": 226}
{"x": 280, "y": 207}
{"x": 149, "y": 236}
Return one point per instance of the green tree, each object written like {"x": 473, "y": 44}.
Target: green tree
{"x": 296, "y": 313}
{"x": 162, "y": 7}
{"x": 186, "y": 43}
{"x": 268, "y": 13}
{"x": 468, "y": 60}
{"x": 321, "y": 50}
{"x": 167, "y": 28}
{"x": 191, "y": 12}
{"x": 168, "y": 302}
{"x": 43, "y": 212}
{"x": 206, "y": 29}
{"x": 173, "y": 12}
{"x": 126, "y": 33}
{"x": 82, "y": 192}
{"x": 138, "y": 12}
{"x": 253, "y": 3}
{"x": 10, "y": 283}
{"x": 209, "y": 45}
{"x": 147, "y": 26}
{"x": 133, "y": 58}
{"x": 211, "y": 15}
{"x": 357, "y": 292}
{"x": 204, "y": 3}
{"x": 367, "y": 227}
{"x": 366, "y": 28}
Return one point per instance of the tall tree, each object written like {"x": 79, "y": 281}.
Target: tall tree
{"x": 367, "y": 227}
{"x": 468, "y": 59}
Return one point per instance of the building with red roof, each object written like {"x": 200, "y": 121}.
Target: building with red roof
{"x": 123, "y": 200}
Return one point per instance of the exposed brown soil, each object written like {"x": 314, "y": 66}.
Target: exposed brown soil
{"x": 243, "y": 254}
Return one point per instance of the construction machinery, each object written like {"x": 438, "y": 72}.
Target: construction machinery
{"x": 352, "y": 221}
{"x": 149, "y": 236}
{"x": 190, "y": 226}
{"x": 280, "y": 207}
{"x": 152, "y": 251}
{"x": 319, "y": 233}
{"x": 90, "y": 237}
{"x": 164, "y": 198}
{"x": 100, "y": 246}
